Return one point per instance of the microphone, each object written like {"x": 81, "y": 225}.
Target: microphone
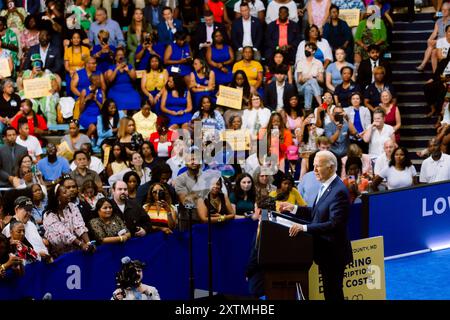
{"x": 47, "y": 296}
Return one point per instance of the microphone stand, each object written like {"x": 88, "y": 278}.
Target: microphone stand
{"x": 189, "y": 207}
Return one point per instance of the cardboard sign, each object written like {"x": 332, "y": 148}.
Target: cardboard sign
{"x": 364, "y": 277}
{"x": 5, "y": 71}
{"x": 230, "y": 97}
{"x": 106, "y": 155}
{"x": 239, "y": 140}
{"x": 351, "y": 16}
{"x": 37, "y": 88}
{"x": 140, "y": 73}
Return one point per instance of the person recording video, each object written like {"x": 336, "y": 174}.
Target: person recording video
{"x": 129, "y": 282}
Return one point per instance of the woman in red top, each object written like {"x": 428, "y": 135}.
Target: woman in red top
{"x": 276, "y": 129}
{"x": 217, "y": 7}
{"x": 393, "y": 117}
{"x": 163, "y": 138}
{"x": 37, "y": 123}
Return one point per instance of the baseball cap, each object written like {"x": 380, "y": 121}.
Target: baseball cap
{"x": 292, "y": 153}
{"x": 23, "y": 202}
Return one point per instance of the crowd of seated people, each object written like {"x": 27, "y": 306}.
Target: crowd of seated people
{"x": 155, "y": 103}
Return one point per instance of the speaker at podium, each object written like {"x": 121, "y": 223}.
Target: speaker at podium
{"x": 284, "y": 260}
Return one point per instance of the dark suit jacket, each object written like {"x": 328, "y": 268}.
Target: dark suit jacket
{"x": 273, "y": 35}
{"x": 165, "y": 35}
{"x": 328, "y": 225}
{"x": 149, "y": 16}
{"x": 270, "y": 94}
{"x": 200, "y": 33}
{"x": 133, "y": 216}
{"x": 54, "y": 60}
{"x": 365, "y": 72}
{"x": 237, "y": 33}
{"x": 8, "y": 166}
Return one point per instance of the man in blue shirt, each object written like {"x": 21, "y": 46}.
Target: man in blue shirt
{"x": 103, "y": 23}
{"x": 339, "y": 132}
{"x": 53, "y": 167}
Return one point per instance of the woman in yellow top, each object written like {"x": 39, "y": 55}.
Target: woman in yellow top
{"x": 287, "y": 193}
{"x": 160, "y": 209}
{"x": 75, "y": 58}
{"x": 153, "y": 83}
{"x": 252, "y": 68}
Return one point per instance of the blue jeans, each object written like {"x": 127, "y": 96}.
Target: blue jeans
{"x": 310, "y": 89}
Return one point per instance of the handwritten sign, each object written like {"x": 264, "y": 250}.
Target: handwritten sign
{"x": 351, "y": 16}
{"x": 140, "y": 73}
{"x": 239, "y": 140}
{"x": 65, "y": 151}
{"x": 37, "y": 88}
{"x": 5, "y": 71}
{"x": 230, "y": 97}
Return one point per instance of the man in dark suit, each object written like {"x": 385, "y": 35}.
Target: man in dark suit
{"x": 275, "y": 39}
{"x": 365, "y": 74}
{"x": 246, "y": 31}
{"x": 32, "y": 7}
{"x": 168, "y": 26}
{"x": 328, "y": 225}
{"x": 153, "y": 13}
{"x": 50, "y": 54}
{"x": 136, "y": 220}
{"x": 203, "y": 33}
{"x": 10, "y": 154}
{"x": 279, "y": 91}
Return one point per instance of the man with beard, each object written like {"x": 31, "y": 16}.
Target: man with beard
{"x": 53, "y": 166}
{"x": 136, "y": 220}
{"x": 85, "y": 209}
{"x": 436, "y": 167}
{"x": 50, "y": 54}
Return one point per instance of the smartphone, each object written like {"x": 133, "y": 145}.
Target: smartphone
{"x": 339, "y": 118}
{"x": 122, "y": 232}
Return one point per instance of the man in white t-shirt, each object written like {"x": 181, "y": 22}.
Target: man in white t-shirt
{"x": 443, "y": 44}
{"x": 436, "y": 167}
{"x": 377, "y": 134}
{"x": 30, "y": 142}
{"x": 274, "y": 7}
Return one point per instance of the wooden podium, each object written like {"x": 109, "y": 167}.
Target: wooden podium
{"x": 285, "y": 260}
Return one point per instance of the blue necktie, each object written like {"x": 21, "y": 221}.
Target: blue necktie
{"x": 320, "y": 193}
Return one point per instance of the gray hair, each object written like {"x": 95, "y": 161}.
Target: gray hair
{"x": 330, "y": 157}
{"x": 6, "y": 82}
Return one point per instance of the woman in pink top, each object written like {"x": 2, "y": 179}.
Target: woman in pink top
{"x": 393, "y": 117}
{"x": 318, "y": 12}
{"x": 293, "y": 115}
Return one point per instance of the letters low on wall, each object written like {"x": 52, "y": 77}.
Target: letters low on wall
{"x": 411, "y": 219}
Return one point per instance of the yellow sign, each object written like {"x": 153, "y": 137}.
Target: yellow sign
{"x": 351, "y": 16}
{"x": 65, "y": 151}
{"x": 230, "y": 97}
{"x": 140, "y": 73}
{"x": 5, "y": 71}
{"x": 37, "y": 88}
{"x": 239, "y": 140}
{"x": 364, "y": 276}
{"x": 106, "y": 152}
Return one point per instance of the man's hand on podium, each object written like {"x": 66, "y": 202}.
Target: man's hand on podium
{"x": 295, "y": 229}
{"x": 286, "y": 206}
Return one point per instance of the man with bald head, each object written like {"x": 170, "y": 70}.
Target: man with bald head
{"x": 383, "y": 160}
{"x": 136, "y": 220}
{"x": 327, "y": 223}
{"x": 436, "y": 167}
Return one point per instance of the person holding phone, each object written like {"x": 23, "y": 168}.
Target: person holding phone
{"x": 159, "y": 208}
{"x": 355, "y": 183}
{"x": 339, "y": 131}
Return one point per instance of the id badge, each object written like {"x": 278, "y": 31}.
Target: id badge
{"x": 175, "y": 69}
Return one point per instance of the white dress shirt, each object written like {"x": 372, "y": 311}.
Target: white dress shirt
{"x": 280, "y": 92}
{"x": 209, "y": 32}
{"x": 374, "y": 64}
{"x": 43, "y": 53}
{"x": 247, "y": 39}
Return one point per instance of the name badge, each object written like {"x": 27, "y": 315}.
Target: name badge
{"x": 175, "y": 69}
